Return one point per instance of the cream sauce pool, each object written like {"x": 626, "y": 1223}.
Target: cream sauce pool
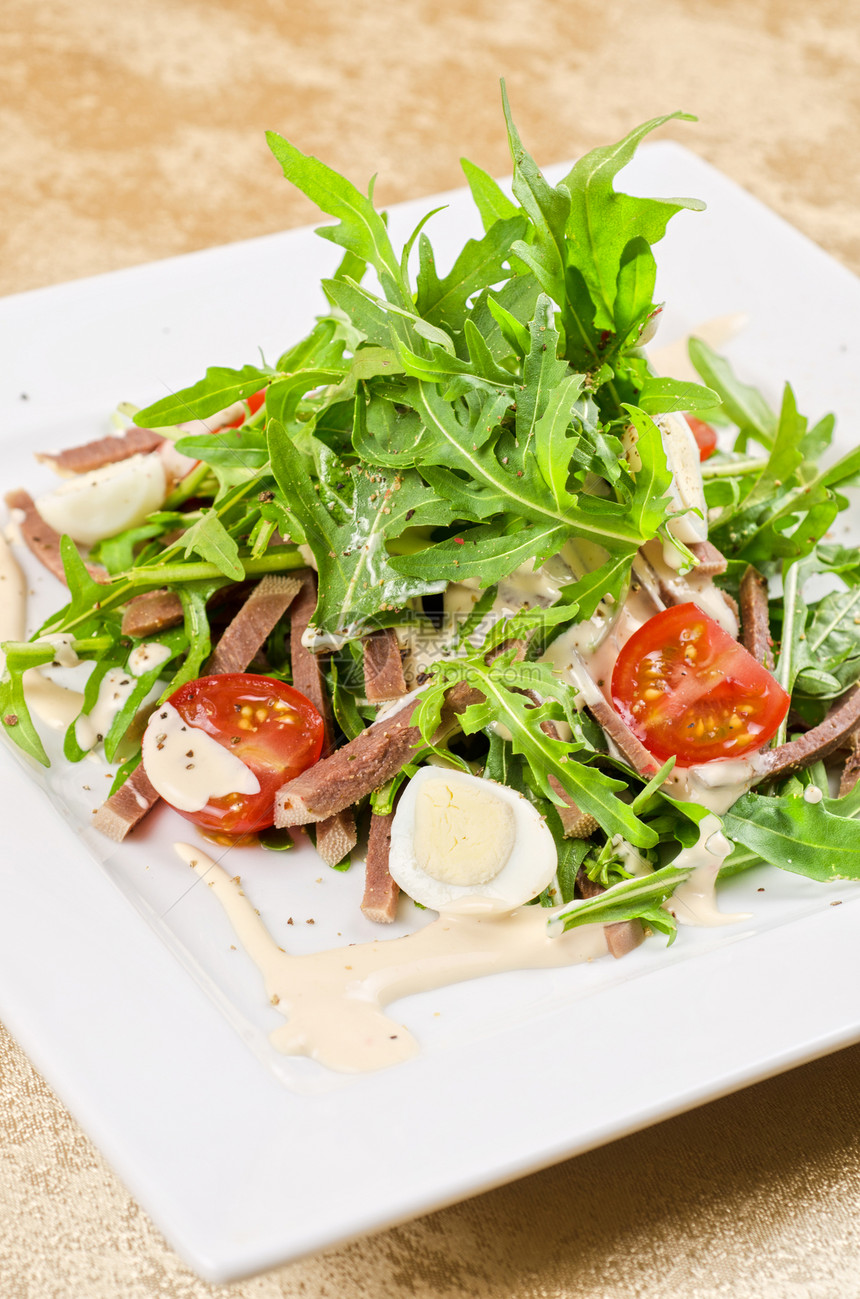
{"x": 334, "y": 1000}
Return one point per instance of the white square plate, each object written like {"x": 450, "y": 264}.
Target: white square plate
{"x": 246, "y": 1159}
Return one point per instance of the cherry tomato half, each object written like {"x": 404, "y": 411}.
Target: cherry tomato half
{"x": 685, "y": 688}
{"x": 271, "y": 727}
{"x": 705, "y": 435}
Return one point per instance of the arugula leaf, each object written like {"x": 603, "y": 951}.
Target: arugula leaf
{"x": 14, "y": 714}
{"x": 831, "y": 645}
{"x": 639, "y": 898}
{"x": 811, "y": 839}
{"x": 209, "y": 539}
{"x": 490, "y": 551}
{"x": 360, "y": 229}
{"x": 348, "y": 535}
{"x": 219, "y": 389}
{"x": 743, "y": 404}
{"x": 660, "y": 396}
{"x": 482, "y": 262}
{"x": 601, "y": 221}
{"x": 634, "y": 290}
{"x": 491, "y": 201}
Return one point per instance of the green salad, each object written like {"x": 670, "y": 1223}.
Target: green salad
{"x": 484, "y": 493}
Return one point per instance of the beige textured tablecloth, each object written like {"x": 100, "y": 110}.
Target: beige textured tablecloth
{"x": 133, "y": 131}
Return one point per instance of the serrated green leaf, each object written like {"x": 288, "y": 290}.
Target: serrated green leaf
{"x": 15, "y": 720}
{"x": 742, "y": 403}
{"x": 811, "y": 839}
{"x": 601, "y": 221}
{"x": 360, "y": 229}
{"x": 209, "y": 539}
{"x": 482, "y": 262}
{"x": 356, "y": 578}
{"x": 218, "y": 389}
{"x": 490, "y": 200}
{"x": 660, "y": 396}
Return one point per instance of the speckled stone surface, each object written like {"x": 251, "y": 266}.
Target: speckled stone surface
{"x": 134, "y": 131}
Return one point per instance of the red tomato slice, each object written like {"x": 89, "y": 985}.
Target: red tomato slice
{"x": 685, "y": 688}
{"x": 273, "y": 728}
{"x": 705, "y": 435}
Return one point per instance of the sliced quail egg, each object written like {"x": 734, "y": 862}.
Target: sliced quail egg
{"x": 90, "y": 507}
{"x": 456, "y": 836}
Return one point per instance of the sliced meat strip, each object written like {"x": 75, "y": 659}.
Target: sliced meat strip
{"x": 308, "y": 675}
{"x": 41, "y": 539}
{"x": 351, "y": 772}
{"x": 127, "y": 807}
{"x": 338, "y": 831}
{"x": 247, "y": 633}
{"x": 632, "y": 751}
{"x": 621, "y": 936}
{"x": 755, "y": 621}
{"x": 820, "y": 742}
{"x": 152, "y": 612}
{"x": 365, "y": 763}
{"x": 380, "y": 890}
{"x": 105, "y": 451}
{"x": 268, "y": 602}
{"x": 383, "y": 667}
{"x": 851, "y": 770}
{"x": 336, "y": 836}
{"x": 712, "y": 562}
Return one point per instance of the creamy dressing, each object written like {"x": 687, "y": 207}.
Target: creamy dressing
{"x": 585, "y": 654}
{"x": 143, "y": 658}
{"x": 64, "y": 653}
{"x": 334, "y": 1000}
{"x": 717, "y": 785}
{"x": 115, "y": 688}
{"x": 692, "y": 587}
{"x": 187, "y": 766}
{"x": 694, "y": 901}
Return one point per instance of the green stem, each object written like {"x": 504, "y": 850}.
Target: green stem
{"x": 187, "y": 487}
{"x": 733, "y": 468}
{"x": 786, "y": 667}
{"x": 274, "y": 561}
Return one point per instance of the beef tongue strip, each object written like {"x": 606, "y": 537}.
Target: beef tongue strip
{"x": 840, "y": 723}
{"x": 380, "y": 890}
{"x": 125, "y": 809}
{"x": 851, "y": 770}
{"x": 41, "y": 539}
{"x": 383, "y": 667}
{"x": 243, "y": 638}
{"x": 632, "y": 751}
{"x": 352, "y": 771}
{"x": 105, "y": 451}
{"x": 266, "y": 604}
{"x": 336, "y": 835}
{"x": 373, "y": 757}
{"x": 712, "y": 562}
{"x": 150, "y": 613}
{"x": 361, "y": 766}
{"x": 622, "y": 935}
{"x": 755, "y": 621}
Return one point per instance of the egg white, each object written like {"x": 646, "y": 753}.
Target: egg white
{"x": 528, "y": 870}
